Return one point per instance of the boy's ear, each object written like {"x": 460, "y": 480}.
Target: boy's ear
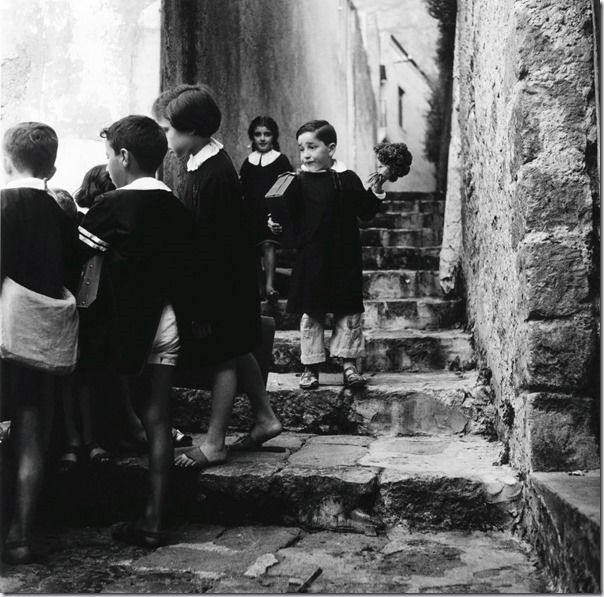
{"x": 332, "y": 148}
{"x": 7, "y": 163}
{"x": 126, "y": 158}
{"x": 51, "y": 172}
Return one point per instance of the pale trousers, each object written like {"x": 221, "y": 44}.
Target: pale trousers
{"x": 347, "y": 340}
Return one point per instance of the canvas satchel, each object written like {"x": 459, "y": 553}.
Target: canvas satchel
{"x": 38, "y": 331}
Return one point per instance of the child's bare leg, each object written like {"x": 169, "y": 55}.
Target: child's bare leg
{"x": 68, "y": 399}
{"x": 28, "y": 433}
{"x": 135, "y": 426}
{"x": 224, "y": 388}
{"x": 268, "y": 250}
{"x": 250, "y": 380}
{"x": 155, "y": 415}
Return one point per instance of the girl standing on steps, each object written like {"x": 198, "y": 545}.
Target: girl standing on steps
{"x": 231, "y": 321}
{"x": 258, "y": 173}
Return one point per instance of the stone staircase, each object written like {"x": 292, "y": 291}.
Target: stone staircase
{"x": 410, "y": 456}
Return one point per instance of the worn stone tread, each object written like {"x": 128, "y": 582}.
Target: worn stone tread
{"x": 388, "y": 350}
{"x": 386, "y": 313}
{"x": 442, "y": 482}
{"x": 440, "y": 402}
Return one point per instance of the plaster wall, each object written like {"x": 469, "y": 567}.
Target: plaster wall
{"x": 401, "y": 73}
{"x": 78, "y": 66}
{"x": 527, "y": 133}
{"x": 304, "y": 61}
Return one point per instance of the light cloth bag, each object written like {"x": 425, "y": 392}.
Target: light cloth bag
{"x": 37, "y": 330}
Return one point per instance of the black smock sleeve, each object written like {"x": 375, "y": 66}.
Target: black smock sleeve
{"x": 364, "y": 201}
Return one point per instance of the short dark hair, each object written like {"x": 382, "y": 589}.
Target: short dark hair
{"x": 32, "y": 146}
{"x": 66, "y": 202}
{"x": 189, "y": 108}
{"x": 95, "y": 182}
{"x": 142, "y": 137}
{"x": 321, "y": 128}
{"x": 270, "y": 124}
{"x": 396, "y": 156}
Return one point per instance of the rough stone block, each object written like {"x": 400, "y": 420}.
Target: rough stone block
{"x": 553, "y": 273}
{"x": 561, "y": 433}
{"x": 556, "y": 354}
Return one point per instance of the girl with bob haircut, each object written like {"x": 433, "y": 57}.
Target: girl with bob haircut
{"x": 231, "y": 326}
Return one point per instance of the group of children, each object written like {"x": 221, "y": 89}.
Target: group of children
{"x": 162, "y": 280}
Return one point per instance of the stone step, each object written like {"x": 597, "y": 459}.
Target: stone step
{"x": 428, "y": 205}
{"x": 441, "y": 402}
{"x": 409, "y": 219}
{"x": 398, "y": 284}
{"x": 400, "y": 237}
{"x": 562, "y": 522}
{"x": 318, "y": 482}
{"x": 383, "y": 284}
{"x": 210, "y": 558}
{"x": 404, "y": 350}
{"x": 389, "y": 314}
{"x": 383, "y": 258}
{"x": 413, "y": 196}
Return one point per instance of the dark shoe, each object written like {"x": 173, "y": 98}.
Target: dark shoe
{"x": 181, "y": 440}
{"x": 127, "y": 532}
{"x": 97, "y": 455}
{"x": 309, "y": 380}
{"x": 353, "y": 379}
{"x": 272, "y": 296}
{"x": 17, "y": 552}
{"x": 69, "y": 460}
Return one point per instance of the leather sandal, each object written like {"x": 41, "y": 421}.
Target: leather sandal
{"x": 352, "y": 378}
{"x": 69, "y": 460}
{"x": 97, "y": 455}
{"x": 128, "y": 532}
{"x": 309, "y": 380}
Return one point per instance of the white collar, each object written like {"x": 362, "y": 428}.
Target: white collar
{"x": 337, "y": 166}
{"x": 205, "y": 153}
{"x": 146, "y": 183}
{"x": 27, "y": 183}
{"x": 267, "y": 158}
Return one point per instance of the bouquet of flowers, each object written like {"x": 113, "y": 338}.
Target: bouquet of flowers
{"x": 394, "y": 162}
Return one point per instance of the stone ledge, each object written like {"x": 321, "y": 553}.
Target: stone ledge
{"x": 399, "y": 350}
{"x": 440, "y": 402}
{"x": 562, "y": 521}
{"x": 319, "y": 481}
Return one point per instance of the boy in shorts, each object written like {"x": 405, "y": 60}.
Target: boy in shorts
{"x": 146, "y": 237}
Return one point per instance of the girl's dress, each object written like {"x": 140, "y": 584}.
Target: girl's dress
{"x": 258, "y": 173}
{"x": 327, "y": 276}
{"x": 226, "y": 260}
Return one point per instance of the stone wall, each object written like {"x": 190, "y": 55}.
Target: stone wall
{"x": 527, "y": 128}
{"x": 303, "y": 61}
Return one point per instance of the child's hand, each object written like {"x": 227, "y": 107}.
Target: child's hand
{"x": 375, "y": 182}
{"x": 201, "y": 329}
{"x": 273, "y": 226}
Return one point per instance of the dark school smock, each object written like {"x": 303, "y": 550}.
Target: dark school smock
{"x": 258, "y": 173}
{"x": 147, "y": 239}
{"x": 226, "y": 259}
{"x": 327, "y": 275}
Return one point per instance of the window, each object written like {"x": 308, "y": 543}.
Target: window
{"x": 401, "y": 94}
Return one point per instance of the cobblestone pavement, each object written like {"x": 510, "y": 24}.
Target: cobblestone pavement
{"x": 256, "y": 559}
